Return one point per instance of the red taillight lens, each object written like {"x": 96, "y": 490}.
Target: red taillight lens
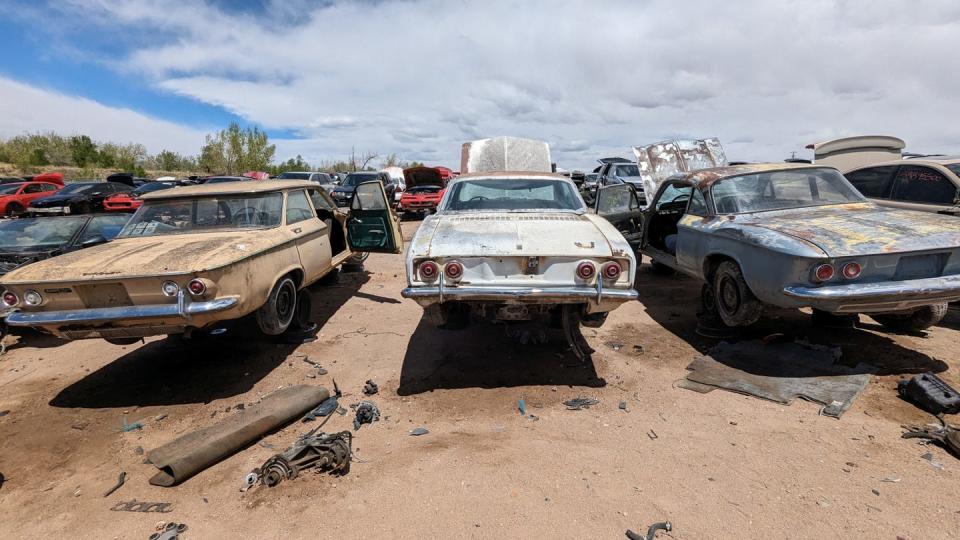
{"x": 429, "y": 271}
{"x": 197, "y": 287}
{"x": 10, "y": 299}
{"x": 851, "y": 270}
{"x": 586, "y": 270}
{"x": 824, "y": 272}
{"x": 453, "y": 270}
{"x": 611, "y": 270}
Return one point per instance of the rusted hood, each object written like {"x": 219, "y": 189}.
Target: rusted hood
{"x": 130, "y": 257}
{"x": 517, "y": 234}
{"x": 862, "y": 229}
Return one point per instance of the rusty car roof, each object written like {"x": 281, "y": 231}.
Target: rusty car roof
{"x": 706, "y": 177}
{"x": 229, "y": 188}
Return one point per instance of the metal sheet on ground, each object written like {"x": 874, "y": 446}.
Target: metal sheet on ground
{"x": 780, "y": 372}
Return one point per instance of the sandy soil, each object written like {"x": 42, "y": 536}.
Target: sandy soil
{"x": 720, "y": 465}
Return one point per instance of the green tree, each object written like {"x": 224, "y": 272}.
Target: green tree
{"x": 167, "y": 160}
{"x": 82, "y": 150}
{"x": 236, "y": 150}
{"x": 107, "y": 156}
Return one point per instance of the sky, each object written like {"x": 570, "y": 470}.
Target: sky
{"x": 420, "y": 77}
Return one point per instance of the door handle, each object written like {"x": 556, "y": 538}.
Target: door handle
{"x": 297, "y": 230}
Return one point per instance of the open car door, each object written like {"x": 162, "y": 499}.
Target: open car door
{"x": 372, "y": 227}
{"x": 619, "y": 204}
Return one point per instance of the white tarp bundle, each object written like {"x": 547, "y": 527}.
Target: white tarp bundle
{"x": 505, "y": 154}
{"x": 660, "y": 160}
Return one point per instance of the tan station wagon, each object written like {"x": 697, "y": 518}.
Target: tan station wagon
{"x": 192, "y": 257}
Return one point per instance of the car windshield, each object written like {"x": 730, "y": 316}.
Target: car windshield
{"x": 77, "y": 188}
{"x": 17, "y": 234}
{"x": 226, "y": 212}
{"x": 778, "y": 190}
{"x": 9, "y": 189}
{"x": 628, "y": 170}
{"x": 294, "y": 176}
{"x": 514, "y": 194}
{"x": 153, "y": 186}
{"x": 354, "y": 180}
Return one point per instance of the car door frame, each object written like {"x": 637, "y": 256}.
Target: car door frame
{"x": 634, "y": 215}
{"x": 656, "y": 254}
{"x": 382, "y": 219}
{"x": 312, "y": 238}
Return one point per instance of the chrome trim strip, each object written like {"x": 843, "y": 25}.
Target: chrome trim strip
{"x": 183, "y": 309}
{"x": 938, "y": 288}
{"x": 519, "y": 293}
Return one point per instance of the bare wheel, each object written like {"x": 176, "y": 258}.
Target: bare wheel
{"x": 275, "y": 316}
{"x": 355, "y": 262}
{"x": 920, "y": 319}
{"x": 14, "y": 209}
{"x": 736, "y": 304}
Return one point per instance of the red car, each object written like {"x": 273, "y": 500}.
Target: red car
{"x": 425, "y": 188}
{"x": 129, "y": 201}
{"x": 16, "y": 197}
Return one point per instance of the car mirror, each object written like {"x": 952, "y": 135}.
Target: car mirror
{"x": 94, "y": 240}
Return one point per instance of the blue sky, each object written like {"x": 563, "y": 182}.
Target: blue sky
{"x": 419, "y": 77}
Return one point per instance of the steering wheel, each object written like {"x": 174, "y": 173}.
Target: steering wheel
{"x": 245, "y": 216}
{"x": 477, "y": 198}
{"x": 679, "y": 197}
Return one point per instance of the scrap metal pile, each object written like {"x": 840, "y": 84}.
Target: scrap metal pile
{"x": 323, "y": 452}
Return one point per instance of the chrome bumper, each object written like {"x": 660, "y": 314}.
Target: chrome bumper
{"x": 183, "y": 309}
{"x": 521, "y": 294}
{"x": 879, "y": 297}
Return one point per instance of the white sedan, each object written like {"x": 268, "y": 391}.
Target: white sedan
{"x": 518, "y": 246}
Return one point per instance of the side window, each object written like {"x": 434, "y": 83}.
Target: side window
{"x": 873, "y": 182}
{"x": 105, "y": 226}
{"x": 923, "y": 185}
{"x": 49, "y": 187}
{"x": 319, "y": 201}
{"x": 33, "y": 188}
{"x": 298, "y": 207}
{"x": 698, "y": 204}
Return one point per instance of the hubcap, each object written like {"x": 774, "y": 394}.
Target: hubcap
{"x": 729, "y": 295}
{"x": 284, "y": 303}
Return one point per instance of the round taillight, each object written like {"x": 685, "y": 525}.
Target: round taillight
{"x": 611, "y": 270}
{"x": 32, "y": 298}
{"x": 170, "y": 288}
{"x": 197, "y": 287}
{"x": 586, "y": 270}
{"x": 851, "y": 270}
{"x": 453, "y": 270}
{"x": 429, "y": 271}
{"x": 10, "y": 299}
{"x": 824, "y": 272}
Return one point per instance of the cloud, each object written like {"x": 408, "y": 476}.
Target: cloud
{"x": 421, "y": 76}
{"x": 25, "y": 108}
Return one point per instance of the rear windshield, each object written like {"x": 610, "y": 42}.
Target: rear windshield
{"x": 513, "y": 194}
{"x": 354, "y": 180}
{"x": 178, "y": 216}
{"x": 779, "y": 190}
{"x": 628, "y": 170}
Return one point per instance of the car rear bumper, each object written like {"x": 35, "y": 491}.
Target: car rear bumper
{"x": 532, "y": 295}
{"x": 50, "y": 210}
{"x": 93, "y": 319}
{"x": 879, "y": 297}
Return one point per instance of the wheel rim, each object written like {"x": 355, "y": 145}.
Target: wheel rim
{"x": 728, "y": 297}
{"x": 286, "y": 299}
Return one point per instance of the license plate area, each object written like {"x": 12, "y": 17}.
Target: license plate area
{"x": 103, "y": 295}
{"x": 921, "y": 266}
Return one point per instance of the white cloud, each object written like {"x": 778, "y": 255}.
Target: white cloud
{"x": 419, "y": 77}
{"x": 27, "y": 109}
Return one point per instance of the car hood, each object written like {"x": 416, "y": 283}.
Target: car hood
{"x": 513, "y": 234}
{"x": 344, "y": 189}
{"x": 56, "y": 200}
{"x": 149, "y": 256}
{"x": 849, "y": 230}
{"x": 423, "y": 176}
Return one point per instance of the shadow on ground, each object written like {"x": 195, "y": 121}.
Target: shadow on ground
{"x": 174, "y": 371}
{"x": 673, "y": 301}
{"x": 484, "y": 356}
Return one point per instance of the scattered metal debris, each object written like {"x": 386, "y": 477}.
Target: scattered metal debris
{"x": 946, "y": 435}
{"x": 195, "y": 451}
{"x": 579, "y": 403}
{"x": 4, "y": 413}
{"x": 651, "y": 532}
{"x": 134, "y": 505}
{"x": 125, "y": 428}
{"x": 367, "y": 413}
{"x": 622, "y": 405}
{"x": 638, "y": 349}
{"x": 522, "y": 407}
{"x": 2, "y": 479}
{"x": 891, "y": 479}
{"x": 615, "y": 345}
{"x": 652, "y": 435}
{"x": 120, "y": 480}
{"x": 370, "y": 388}
{"x": 171, "y": 531}
{"x": 159, "y": 417}
{"x": 327, "y": 406}
{"x": 319, "y": 451}
{"x": 930, "y": 393}
{"x": 416, "y": 432}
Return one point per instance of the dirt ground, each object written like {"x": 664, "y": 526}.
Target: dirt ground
{"x": 716, "y": 464}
